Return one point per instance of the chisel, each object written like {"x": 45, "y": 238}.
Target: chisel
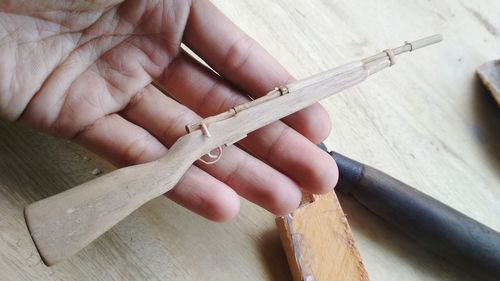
{"x": 432, "y": 224}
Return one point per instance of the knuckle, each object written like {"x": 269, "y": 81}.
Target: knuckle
{"x": 238, "y": 54}
{"x": 281, "y": 202}
{"x": 134, "y": 152}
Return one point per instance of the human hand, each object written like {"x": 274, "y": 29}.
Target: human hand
{"x": 82, "y": 70}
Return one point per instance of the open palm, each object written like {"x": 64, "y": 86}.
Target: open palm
{"x": 83, "y": 70}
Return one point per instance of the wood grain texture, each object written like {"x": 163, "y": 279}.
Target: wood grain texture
{"x": 318, "y": 242}
{"x": 430, "y": 123}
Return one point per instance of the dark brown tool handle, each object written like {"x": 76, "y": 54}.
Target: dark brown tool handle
{"x": 434, "y": 225}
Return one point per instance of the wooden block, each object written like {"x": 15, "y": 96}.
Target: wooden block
{"x": 318, "y": 242}
{"x": 489, "y": 73}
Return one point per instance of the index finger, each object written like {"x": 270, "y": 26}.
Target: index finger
{"x": 241, "y": 60}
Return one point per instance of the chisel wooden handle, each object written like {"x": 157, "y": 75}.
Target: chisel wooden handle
{"x": 434, "y": 225}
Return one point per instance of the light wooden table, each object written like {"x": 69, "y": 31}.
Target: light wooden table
{"x": 427, "y": 121}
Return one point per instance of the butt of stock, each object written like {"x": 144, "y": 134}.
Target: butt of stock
{"x": 63, "y": 224}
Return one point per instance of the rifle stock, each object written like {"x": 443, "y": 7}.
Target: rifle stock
{"x": 63, "y": 224}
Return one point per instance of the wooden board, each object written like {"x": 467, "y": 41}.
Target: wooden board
{"x": 489, "y": 73}
{"x": 429, "y": 123}
{"x": 318, "y": 242}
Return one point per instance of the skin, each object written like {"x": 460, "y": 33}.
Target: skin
{"x": 82, "y": 70}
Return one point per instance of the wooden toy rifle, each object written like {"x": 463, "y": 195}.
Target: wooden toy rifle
{"x": 63, "y": 224}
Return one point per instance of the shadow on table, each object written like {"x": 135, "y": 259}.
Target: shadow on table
{"x": 273, "y": 256}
